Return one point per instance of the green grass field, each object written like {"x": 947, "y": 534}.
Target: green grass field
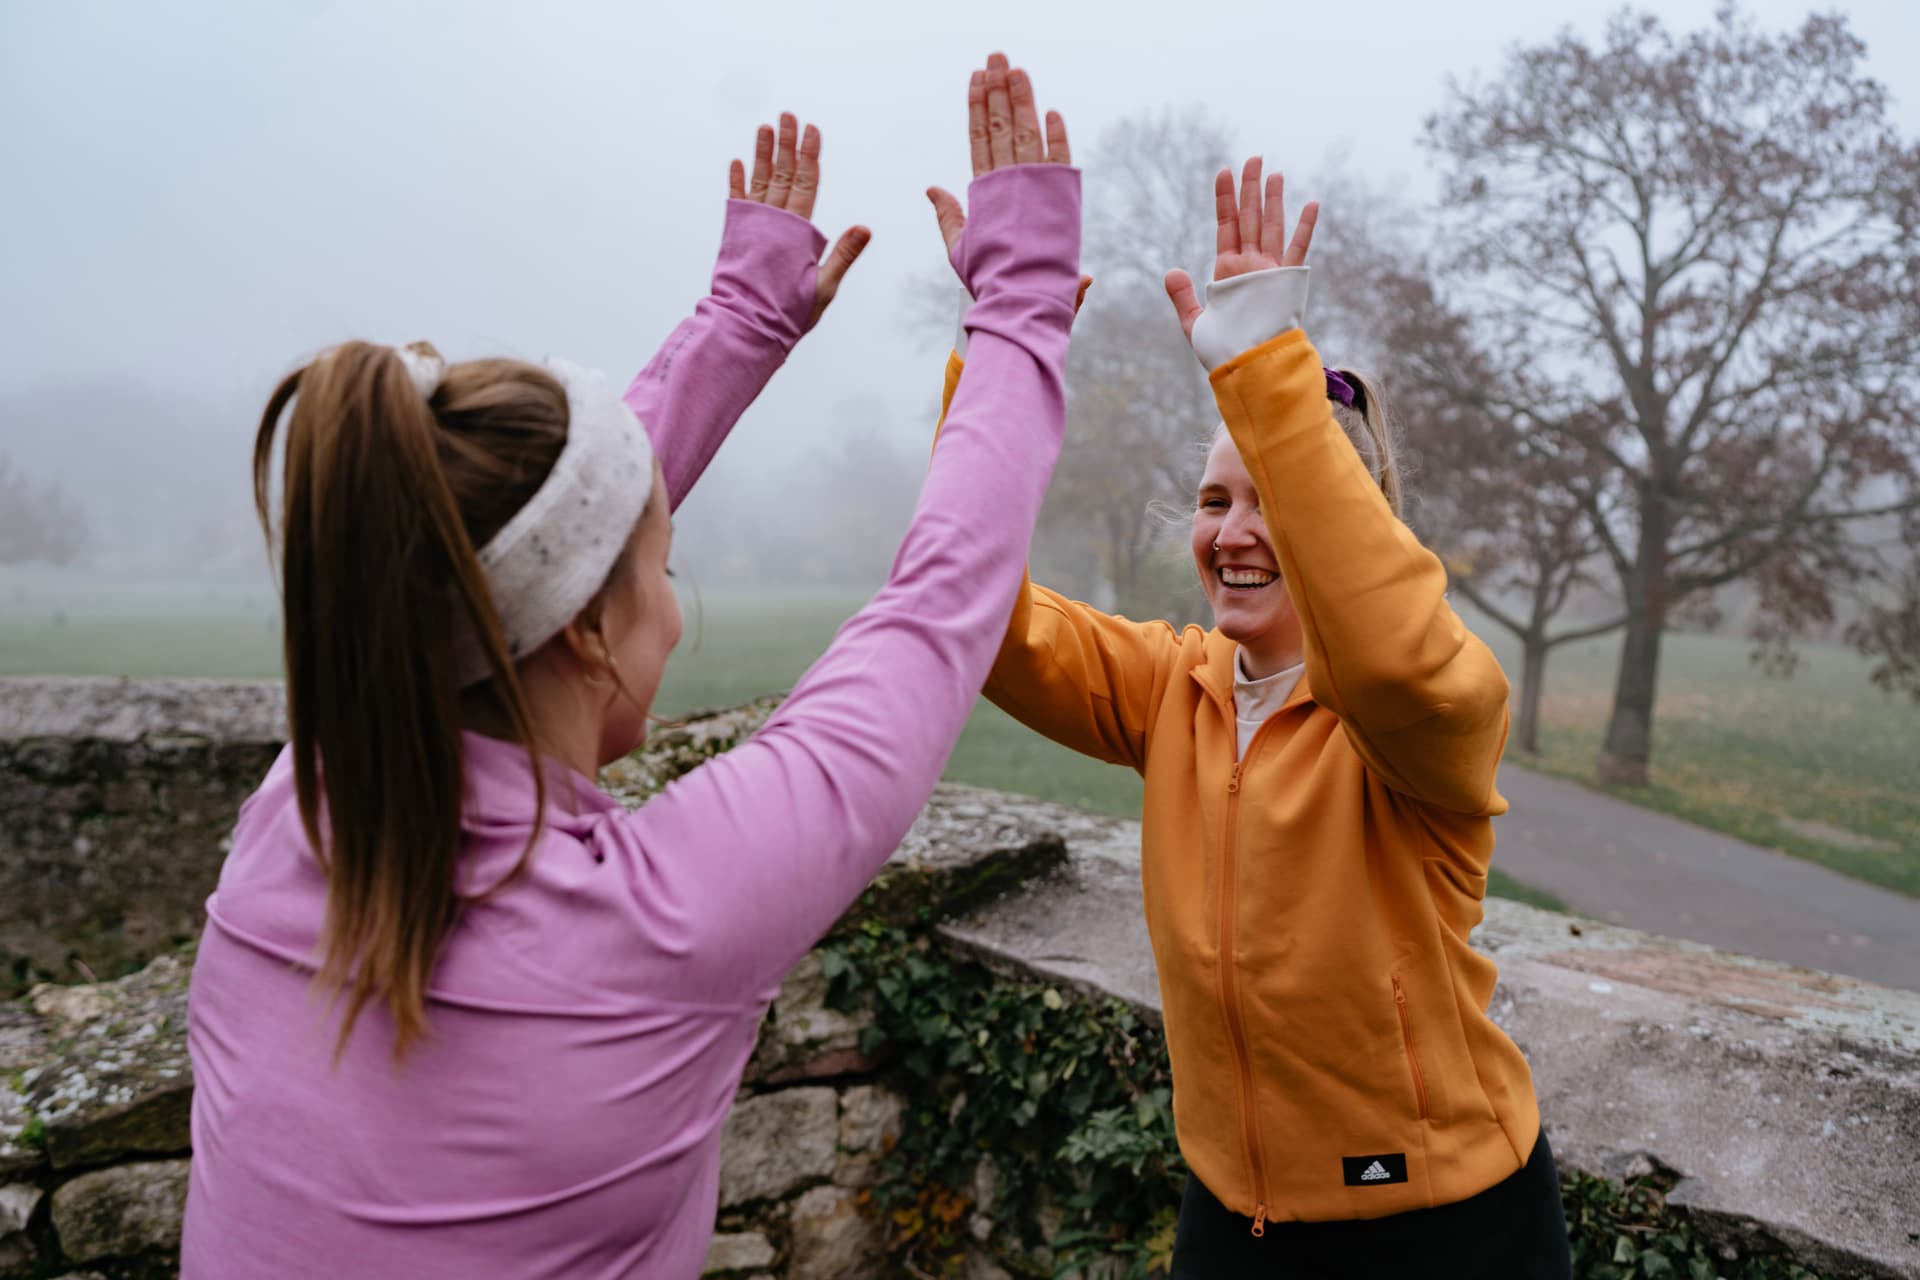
{"x": 1821, "y": 765}
{"x": 1734, "y": 750}
{"x": 746, "y": 646}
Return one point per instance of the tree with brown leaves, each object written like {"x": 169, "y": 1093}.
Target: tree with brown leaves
{"x": 1499, "y": 504}
{"x": 1703, "y": 250}
{"x": 1492, "y": 497}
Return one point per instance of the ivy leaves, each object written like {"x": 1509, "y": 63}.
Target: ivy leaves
{"x": 1068, "y": 1102}
{"x": 1629, "y": 1233}
{"x": 1069, "y": 1097}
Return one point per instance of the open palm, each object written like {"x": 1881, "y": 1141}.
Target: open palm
{"x": 1252, "y": 235}
{"x": 1003, "y": 129}
{"x": 786, "y": 175}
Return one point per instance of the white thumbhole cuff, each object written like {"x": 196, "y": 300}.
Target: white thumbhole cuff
{"x": 1245, "y": 311}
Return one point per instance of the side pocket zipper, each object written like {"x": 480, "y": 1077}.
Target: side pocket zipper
{"x": 1406, "y": 1038}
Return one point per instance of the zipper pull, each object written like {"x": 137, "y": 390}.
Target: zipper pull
{"x": 1233, "y": 785}
{"x": 1259, "y": 1220}
{"x": 1399, "y": 992}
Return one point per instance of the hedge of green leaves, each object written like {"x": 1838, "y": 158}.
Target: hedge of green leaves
{"x": 1071, "y": 1099}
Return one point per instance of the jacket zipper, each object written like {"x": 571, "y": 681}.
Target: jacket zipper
{"x": 1229, "y": 1002}
{"x": 1406, "y": 1037}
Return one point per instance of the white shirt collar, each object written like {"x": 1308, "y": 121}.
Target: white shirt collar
{"x": 1257, "y": 699}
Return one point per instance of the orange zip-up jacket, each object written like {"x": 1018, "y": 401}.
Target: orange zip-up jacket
{"x": 1309, "y": 905}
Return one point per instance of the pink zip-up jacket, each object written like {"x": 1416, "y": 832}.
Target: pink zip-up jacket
{"x": 590, "y": 1023}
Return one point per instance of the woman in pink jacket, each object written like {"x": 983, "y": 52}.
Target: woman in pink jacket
{"x": 456, "y": 1012}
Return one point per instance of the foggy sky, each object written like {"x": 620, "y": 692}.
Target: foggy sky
{"x": 199, "y": 196}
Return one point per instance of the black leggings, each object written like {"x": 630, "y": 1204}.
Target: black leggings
{"x": 1514, "y": 1230}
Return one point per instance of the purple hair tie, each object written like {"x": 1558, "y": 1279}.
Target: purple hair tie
{"x": 1338, "y": 388}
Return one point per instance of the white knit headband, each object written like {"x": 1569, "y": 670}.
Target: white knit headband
{"x": 547, "y": 562}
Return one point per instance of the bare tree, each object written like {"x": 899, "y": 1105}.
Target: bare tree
{"x": 1135, "y": 409}
{"x": 1137, "y": 401}
{"x": 1372, "y": 287}
{"x": 39, "y": 522}
{"x": 1887, "y": 618}
{"x": 1505, "y": 519}
{"x": 1152, "y": 204}
{"x": 1491, "y": 496}
{"x": 1706, "y": 246}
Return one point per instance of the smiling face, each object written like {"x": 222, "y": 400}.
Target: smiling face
{"x": 1238, "y": 568}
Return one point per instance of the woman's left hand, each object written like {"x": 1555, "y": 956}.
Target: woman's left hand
{"x": 1252, "y": 236}
{"x": 787, "y": 177}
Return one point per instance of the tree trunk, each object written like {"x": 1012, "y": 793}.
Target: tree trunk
{"x": 1628, "y": 748}
{"x": 1533, "y": 679}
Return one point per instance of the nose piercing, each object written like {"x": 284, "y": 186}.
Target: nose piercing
{"x": 1216, "y": 544}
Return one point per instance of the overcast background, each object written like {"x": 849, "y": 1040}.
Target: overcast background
{"x": 199, "y": 196}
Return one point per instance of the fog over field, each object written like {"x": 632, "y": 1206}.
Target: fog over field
{"x": 200, "y": 195}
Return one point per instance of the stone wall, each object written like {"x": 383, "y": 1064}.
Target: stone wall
{"x": 1786, "y": 1102}
{"x": 94, "y": 1139}
{"x": 115, "y": 801}
{"x": 93, "y": 1125}
{"x": 95, "y": 1084}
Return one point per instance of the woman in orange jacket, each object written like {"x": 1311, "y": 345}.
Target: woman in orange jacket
{"x": 1317, "y": 824}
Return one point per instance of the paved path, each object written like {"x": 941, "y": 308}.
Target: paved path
{"x": 1617, "y": 862}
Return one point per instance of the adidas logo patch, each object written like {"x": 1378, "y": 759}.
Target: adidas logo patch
{"x": 1379, "y": 1170}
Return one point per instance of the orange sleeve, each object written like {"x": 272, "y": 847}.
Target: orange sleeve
{"x": 1068, "y": 671}
{"x": 1421, "y": 697}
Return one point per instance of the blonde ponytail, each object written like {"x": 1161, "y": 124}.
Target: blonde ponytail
{"x": 1370, "y": 426}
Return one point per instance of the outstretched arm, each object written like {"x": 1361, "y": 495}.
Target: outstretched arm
{"x": 743, "y": 863}
{"x": 770, "y": 287}
{"x": 1065, "y": 669}
{"x": 1422, "y": 699}
{"x": 1068, "y": 671}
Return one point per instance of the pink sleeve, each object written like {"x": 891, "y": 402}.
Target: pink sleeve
{"x": 741, "y": 865}
{"x": 712, "y": 366}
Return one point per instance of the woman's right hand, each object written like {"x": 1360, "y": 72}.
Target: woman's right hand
{"x": 1003, "y": 130}
{"x": 1252, "y": 236}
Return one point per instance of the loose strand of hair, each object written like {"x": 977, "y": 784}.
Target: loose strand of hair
{"x": 1376, "y": 418}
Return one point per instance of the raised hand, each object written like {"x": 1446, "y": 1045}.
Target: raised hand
{"x": 787, "y": 177}
{"x": 1003, "y": 130}
{"x": 1252, "y": 236}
